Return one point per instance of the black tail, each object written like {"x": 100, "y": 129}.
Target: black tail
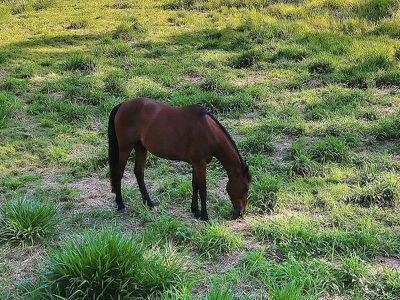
{"x": 113, "y": 149}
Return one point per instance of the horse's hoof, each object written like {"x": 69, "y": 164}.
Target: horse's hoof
{"x": 204, "y": 218}
{"x": 197, "y": 214}
{"x": 151, "y": 205}
{"x": 121, "y": 209}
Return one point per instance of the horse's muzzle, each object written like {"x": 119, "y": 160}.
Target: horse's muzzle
{"x": 238, "y": 214}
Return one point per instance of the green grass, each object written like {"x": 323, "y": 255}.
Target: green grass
{"x": 214, "y": 239}
{"x": 305, "y": 236}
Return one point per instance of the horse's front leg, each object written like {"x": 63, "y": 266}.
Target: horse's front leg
{"x": 195, "y": 205}
{"x": 200, "y": 173}
{"x": 140, "y": 164}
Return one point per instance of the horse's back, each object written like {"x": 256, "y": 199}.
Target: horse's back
{"x": 178, "y": 133}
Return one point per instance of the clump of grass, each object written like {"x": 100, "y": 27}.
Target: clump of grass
{"x": 83, "y": 89}
{"x": 81, "y": 62}
{"x": 342, "y": 102}
{"x": 121, "y": 5}
{"x": 329, "y": 149}
{"x": 114, "y": 84}
{"x": 361, "y": 74}
{"x": 293, "y": 53}
{"x": 388, "y": 79}
{"x": 304, "y": 166}
{"x": 386, "y": 284}
{"x": 180, "y": 4}
{"x": 291, "y": 278}
{"x": 247, "y": 59}
{"x": 321, "y": 65}
{"x": 214, "y": 239}
{"x": 382, "y": 192}
{"x": 389, "y": 27}
{"x": 7, "y": 108}
{"x": 353, "y": 273}
{"x": 258, "y": 141}
{"x": 305, "y": 236}
{"x": 218, "y": 293}
{"x": 264, "y": 193}
{"x": 128, "y": 30}
{"x": 14, "y": 85}
{"x": 216, "y": 83}
{"x": 168, "y": 228}
{"x": 388, "y": 128}
{"x": 41, "y": 4}
{"x": 106, "y": 264}
{"x": 27, "y": 221}
{"x": 78, "y": 24}
{"x": 115, "y": 49}
{"x": 24, "y": 71}
{"x": 374, "y": 10}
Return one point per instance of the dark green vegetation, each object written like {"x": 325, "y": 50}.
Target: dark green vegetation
{"x": 308, "y": 89}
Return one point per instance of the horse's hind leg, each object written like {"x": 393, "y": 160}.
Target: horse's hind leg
{"x": 140, "y": 164}
{"x": 200, "y": 173}
{"x": 123, "y": 158}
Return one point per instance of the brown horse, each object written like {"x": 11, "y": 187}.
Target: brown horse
{"x": 189, "y": 134}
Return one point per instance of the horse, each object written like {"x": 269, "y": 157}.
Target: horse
{"x": 189, "y": 133}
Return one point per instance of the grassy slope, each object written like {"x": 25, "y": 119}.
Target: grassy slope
{"x": 309, "y": 91}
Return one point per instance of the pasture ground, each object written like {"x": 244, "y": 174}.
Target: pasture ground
{"x": 310, "y": 90}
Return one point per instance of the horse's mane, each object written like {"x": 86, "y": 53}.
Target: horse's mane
{"x": 205, "y": 111}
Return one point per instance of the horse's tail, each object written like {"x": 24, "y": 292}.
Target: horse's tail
{"x": 113, "y": 149}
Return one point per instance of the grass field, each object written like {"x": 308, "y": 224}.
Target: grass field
{"x": 310, "y": 91}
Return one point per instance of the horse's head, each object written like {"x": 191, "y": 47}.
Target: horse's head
{"x": 237, "y": 189}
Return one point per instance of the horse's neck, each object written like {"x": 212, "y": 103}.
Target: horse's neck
{"x": 229, "y": 158}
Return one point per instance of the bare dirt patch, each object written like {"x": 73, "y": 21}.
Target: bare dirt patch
{"x": 283, "y": 144}
{"x": 3, "y": 73}
{"x": 18, "y": 261}
{"x": 193, "y": 78}
{"x": 95, "y": 192}
{"x": 382, "y": 263}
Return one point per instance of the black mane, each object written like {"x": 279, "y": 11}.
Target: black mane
{"x": 205, "y": 111}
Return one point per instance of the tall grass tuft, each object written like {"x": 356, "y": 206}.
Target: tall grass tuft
{"x": 388, "y": 128}
{"x": 27, "y": 220}
{"x": 329, "y": 149}
{"x": 6, "y": 108}
{"x": 81, "y": 62}
{"x": 107, "y": 265}
{"x": 264, "y": 193}
{"x": 214, "y": 239}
